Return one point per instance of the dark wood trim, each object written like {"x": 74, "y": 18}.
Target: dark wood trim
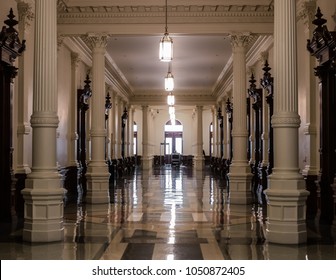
{"x": 83, "y": 96}
{"x": 267, "y": 83}
{"x": 229, "y": 111}
{"x": 323, "y": 47}
{"x": 10, "y": 48}
{"x": 256, "y": 95}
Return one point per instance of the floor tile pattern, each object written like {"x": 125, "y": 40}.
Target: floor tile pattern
{"x": 166, "y": 214}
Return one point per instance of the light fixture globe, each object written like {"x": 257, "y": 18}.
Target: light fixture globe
{"x": 166, "y": 48}
{"x": 171, "y": 110}
{"x": 169, "y": 82}
{"x": 171, "y": 99}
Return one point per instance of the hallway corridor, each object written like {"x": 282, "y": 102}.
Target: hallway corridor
{"x": 167, "y": 214}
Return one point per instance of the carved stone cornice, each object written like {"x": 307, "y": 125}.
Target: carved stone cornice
{"x": 156, "y": 14}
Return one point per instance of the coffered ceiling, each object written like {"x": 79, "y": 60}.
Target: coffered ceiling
{"x": 200, "y": 31}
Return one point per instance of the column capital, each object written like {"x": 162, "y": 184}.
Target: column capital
{"x": 240, "y": 40}
{"x": 95, "y": 40}
{"x": 250, "y": 70}
{"x": 75, "y": 59}
{"x": 306, "y": 12}
{"x": 26, "y": 14}
{"x": 60, "y": 40}
{"x": 263, "y": 57}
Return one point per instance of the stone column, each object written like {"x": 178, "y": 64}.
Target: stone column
{"x": 146, "y": 159}
{"x": 226, "y": 136}
{"x": 112, "y": 122}
{"x": 214, "y": 133}
{"x": 240, "y": 173}
{"x": 286, "y": 192}
{"x": 72, "y": 109}
{"x": 23, "y": 127}
{"x": 199, "y": 158}
{"x": 128, "y": 132}
{"x": 97, "y": 172}
{"x": 20, "y": 117}
{"x": 118, "y": 127}
{"x": 131, "y": 116}
{"x": 43, "y": 193}
{"x": 311, "y": 170}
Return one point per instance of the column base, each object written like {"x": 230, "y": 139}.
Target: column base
{"x": 43, "y": 210}
{"x": 286, "y": 210}
{"x": 240, "y": 180}
{"x": 199, "y": 163}
{"x": 147, "y": 163}
{"x": 97, "y": 185}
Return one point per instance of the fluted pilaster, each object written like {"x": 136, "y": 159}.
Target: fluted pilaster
{"x": 72, "y": 109}
{"x": 307, "y": 15}
{"x": 214, "y": 133}
{"x": 112, "y": 121}
{"x": 26, "y": 15}
{"x": 128, "y": 132}
{"x": 131, "y": 116}
{"x": 286, "y": 192}
{"x": 225, "y": 129}
{"x": 118, "y": 126}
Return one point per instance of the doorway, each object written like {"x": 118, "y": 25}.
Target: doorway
{"x": 173, "y": 139}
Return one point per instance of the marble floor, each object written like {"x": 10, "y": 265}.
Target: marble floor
{"x": 167, "y": 214}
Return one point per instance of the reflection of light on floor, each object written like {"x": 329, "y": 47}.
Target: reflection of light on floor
{"x": 171, "y": 240}
{"x": 170, "y": 257}
{"x": 135, "y": 196}
{"x": 173, "y": 216}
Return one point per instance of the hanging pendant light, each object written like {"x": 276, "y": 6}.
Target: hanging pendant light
{"x": 171, "y": 110}
{"x": 166, "y": 43}
{"x": 171, "y": 99}
{"x": 169, "y": 80}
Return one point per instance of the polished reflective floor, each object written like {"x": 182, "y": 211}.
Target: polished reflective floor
{"x": 167, "y": 214}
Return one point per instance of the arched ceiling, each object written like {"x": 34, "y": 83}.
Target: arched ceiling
{"x": 200, "y": 30}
